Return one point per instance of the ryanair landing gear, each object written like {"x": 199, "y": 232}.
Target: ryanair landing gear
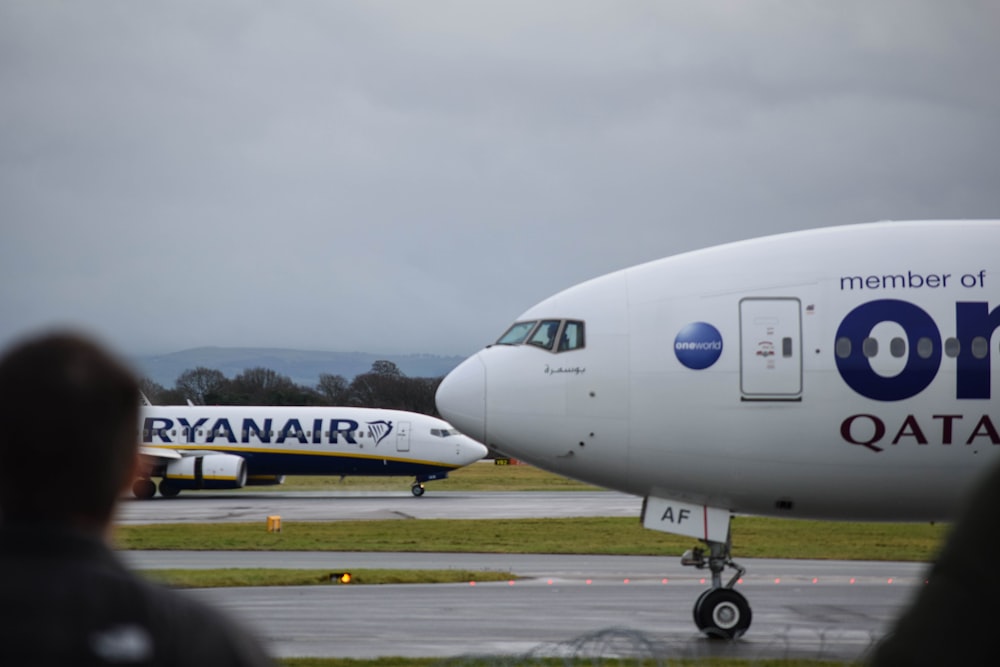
{"x": 720, "y": 612}
{"x": 168, "y": 490}
{"x": 143, "y": 488}
{"x": 417, "y": 488}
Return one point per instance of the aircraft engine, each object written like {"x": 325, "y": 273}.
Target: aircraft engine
{"x": 212, "y": 471}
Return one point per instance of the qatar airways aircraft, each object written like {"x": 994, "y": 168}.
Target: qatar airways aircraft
{"x": 227, "y": 447}
{"x": 839, "y": 373}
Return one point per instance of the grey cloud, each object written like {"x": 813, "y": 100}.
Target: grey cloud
{"x": 409, "y": 177}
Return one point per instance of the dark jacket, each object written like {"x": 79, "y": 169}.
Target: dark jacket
{"x": 66, "y": 599}
{"x": 955, "y": 616}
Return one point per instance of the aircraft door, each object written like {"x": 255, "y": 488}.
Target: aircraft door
{"x": 771, "y": 349}
{"x": 402, "y": 436}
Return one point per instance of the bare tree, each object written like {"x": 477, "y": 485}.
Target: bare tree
{"x": 203, "y": 386}
{"x": 332, "y": 389}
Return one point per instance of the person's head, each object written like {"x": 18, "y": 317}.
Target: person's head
{"x": 69, "y": 416}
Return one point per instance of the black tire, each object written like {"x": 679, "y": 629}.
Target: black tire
{"x": 697, "y": 608}
{"x": 143, "y": 488}
{"x": 417, "y": 490}
{"x": 168, "y": 490}
{"x": 723, "y": 613}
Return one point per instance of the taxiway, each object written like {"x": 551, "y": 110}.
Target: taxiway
{"x": 563, "y": 604}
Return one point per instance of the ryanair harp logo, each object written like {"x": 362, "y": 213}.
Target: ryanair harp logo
{"x": 380, "y": 430}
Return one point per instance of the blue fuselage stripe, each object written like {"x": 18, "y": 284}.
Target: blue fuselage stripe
{"x": 271, "y": 463}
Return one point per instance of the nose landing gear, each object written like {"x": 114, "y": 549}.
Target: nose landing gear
{"x": 417, "y": 488}
{"x": 721, "y": 611}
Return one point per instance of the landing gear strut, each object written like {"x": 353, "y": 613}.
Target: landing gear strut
{"x": 417, "y": 488}
{"x": 720, "y": 612}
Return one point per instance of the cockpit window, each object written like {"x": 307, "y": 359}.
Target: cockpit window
{"x": 553, "y": 335}
{"x": 443, "y": 432}
{"x": 517, "y": 333}
{"x": 545, "y": 334}
{"x": 572, "y": 336}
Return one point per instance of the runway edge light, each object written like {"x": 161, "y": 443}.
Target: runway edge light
{"x": 341, "y": 578}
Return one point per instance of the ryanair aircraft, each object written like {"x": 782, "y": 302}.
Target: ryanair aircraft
{"x": 227, "y": 447}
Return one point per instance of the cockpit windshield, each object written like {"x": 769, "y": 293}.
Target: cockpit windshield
{"x": 443, "y": 432}
{"x": 517, "y": 333}
{"x": 545, "y": 334}
{"x": 553, "y": 335}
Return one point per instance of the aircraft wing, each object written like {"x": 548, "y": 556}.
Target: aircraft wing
{"x": 165, "y": 454}
{"x": 159, "y": 453}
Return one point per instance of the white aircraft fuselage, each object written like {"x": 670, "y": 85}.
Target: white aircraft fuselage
{"x": 197, "y": 447}
{"x": 840, "y": 373}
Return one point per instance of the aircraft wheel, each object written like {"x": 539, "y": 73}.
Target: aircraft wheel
{"x": 417, "y": 490}
{"x": 168, "y": 490}
{"x": 143, "y": 488}
{"x": 697, "y": 608}
{"x": 722, "y": 613}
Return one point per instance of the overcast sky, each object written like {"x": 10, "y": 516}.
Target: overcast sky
{"x": 410, "y": 176}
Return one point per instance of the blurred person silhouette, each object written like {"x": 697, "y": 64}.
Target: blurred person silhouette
{"x": 952, "y": 618}
{"x": 69, "y": 418}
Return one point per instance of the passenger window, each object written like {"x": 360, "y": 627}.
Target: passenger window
{"x": 980, "y": 347}
{"x": 952, "y": 347}
{"x": 516, "y": 334}
{"x": 843, "y": 347}
{"x": 925, "y": 348}
{"x": 897, "y": 347}
{"x": 869, "y": 347}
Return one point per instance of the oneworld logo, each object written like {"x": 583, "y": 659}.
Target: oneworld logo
{"x": 698, "y": 345}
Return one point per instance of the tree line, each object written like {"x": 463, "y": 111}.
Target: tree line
{"x": 384, "y": 386}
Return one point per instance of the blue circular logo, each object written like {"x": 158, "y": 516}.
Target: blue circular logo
{"x": 698, "y": 345}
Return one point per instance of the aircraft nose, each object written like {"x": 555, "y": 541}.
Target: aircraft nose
{"x": 472, "y": 451}
{"x": 461, "y": 398}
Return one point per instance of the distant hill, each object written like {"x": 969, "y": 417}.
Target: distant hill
{"x": 302, "y": 366}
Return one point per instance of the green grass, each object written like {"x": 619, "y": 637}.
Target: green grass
{"x": 754, "y": 537}
{"x": 180, "y": 578}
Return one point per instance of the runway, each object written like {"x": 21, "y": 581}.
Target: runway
{"x": 824, "y": 609}
{"x": 202, "y": 507}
